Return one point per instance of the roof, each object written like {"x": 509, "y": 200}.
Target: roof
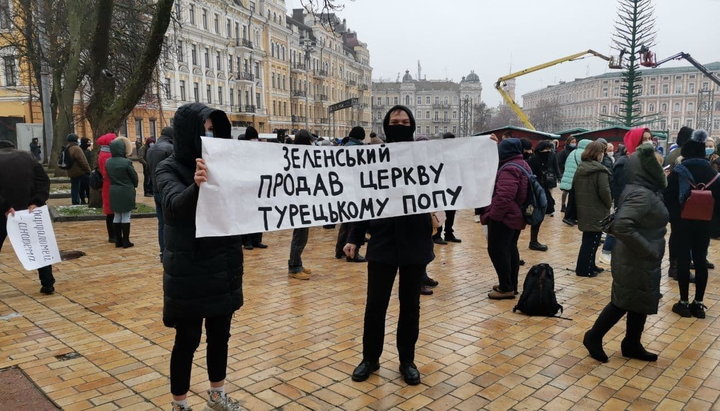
{"x": 572, "y": 131}
{"x": 623, "y": 128}
{"x": 422, "y": 85}
{"x": 527, "y": 130}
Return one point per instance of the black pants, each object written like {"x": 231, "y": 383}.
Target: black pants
{"x": 75, "y": 190}
{"x": 252, "y": 239}
{"x": 147, "y": 180}
{"x": 570, "y": 208}
{"x": 380, "y": 283}
{"x": 504, "y": 254}
{"x": 161, "y": 222}
{"x": 534, "y": 232}
{"x": 610, "y": 315}
{"x": 84, "y": 188}
{"x": 45, "y": 273}
{"x": 586, "y": 256}
{"x": 187, "y": 340}
{"x": 692, "y": 239}
{"x": 448, "y": 226}
{"x": 297, "y": 245}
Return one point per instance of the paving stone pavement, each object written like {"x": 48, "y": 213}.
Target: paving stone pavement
{"x": 295, "y": 343}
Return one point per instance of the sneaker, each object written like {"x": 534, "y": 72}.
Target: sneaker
{"x": 605, "y": 258}
{"x": 178, "y": 407}
{"x": 682, "y": 309}
{"x": 299, "y": 275}
{"x": 217, "y": 402}
{"x": 697, "y": 309}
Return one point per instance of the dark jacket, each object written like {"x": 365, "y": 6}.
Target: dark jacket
{"x": 80, "y": 164}
{"x": 159, "y": 152}
{"x": 123, "y": 178}
{"x": 592, "y": 195}
{"x": 202, "y": 276}
{"x": 702, "y": 172}
{"x": 618, "y": 182}
{"x": 640, "y": 227}
{"x": 562, "y": 157}
{"x": 511, "y": 187}
{"x": 23, "y": 181}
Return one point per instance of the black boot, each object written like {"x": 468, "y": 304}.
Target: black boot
{"x": 110, "y": 228}
{"x": 608, "y": 317}
{"x": 118, "y": 235}
{"x": 126, "y": 236}
{"x": 631, "y": 346}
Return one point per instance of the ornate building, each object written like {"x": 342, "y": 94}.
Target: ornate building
{"x": 439, "y": 106}
{"x": 678, "y": 96}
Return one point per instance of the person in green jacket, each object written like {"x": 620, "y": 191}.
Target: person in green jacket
{"x": 639, "y": 226}
{"x": 123, "y": 180}
{"x": 593, "y": 200}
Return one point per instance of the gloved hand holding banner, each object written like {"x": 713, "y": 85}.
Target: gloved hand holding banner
{"x": 33, "y": 238}
{"x": 255, "y": 186}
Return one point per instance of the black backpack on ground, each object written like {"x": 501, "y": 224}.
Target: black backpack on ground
{"x": 65, "y": 160}
{"x": 538, "y": 296}
{"x": 536, "y": 202}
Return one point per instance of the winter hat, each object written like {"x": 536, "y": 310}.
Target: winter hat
{"x": 633, "y": 138}
{"x": 167, "y": 132}
{"x": 652, "y": 171}
{"x": 526, "y": 144}
{"x": 357, "y": 133}
{"x": 72, "y": 138}
{"x": 251, "y": 133}
{"x": 695, "y": 147}
{"x": 84, "y": 143}
{"x": 543, "y": 145}
{"x": 510, "y": 147}
{"x": 683, "y": 135}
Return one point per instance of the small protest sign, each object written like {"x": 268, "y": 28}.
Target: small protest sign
{"x": 257, "y": 187}
{"x": 33, "y": 238}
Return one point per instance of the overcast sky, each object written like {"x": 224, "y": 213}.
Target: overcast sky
{"x": 452, "y": 37}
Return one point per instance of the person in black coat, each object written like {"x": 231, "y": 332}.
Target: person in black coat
{"x": 691, "y": 237}
{"x": 570, "y": 145}
{"x": 24, "y": 185}
{"x": 397, "y": 244}
{"x": 202, "y": 277}
{"x": 156, "y": 154}
{"x": 541, "y": 163}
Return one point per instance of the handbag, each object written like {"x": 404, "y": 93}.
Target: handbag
{"x": 607, "y": 223}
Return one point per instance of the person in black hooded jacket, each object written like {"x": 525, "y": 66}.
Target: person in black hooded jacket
{"x": 397, "y": 244}
{"x": 202, "y": 278}
{"x": 156, "y": 154}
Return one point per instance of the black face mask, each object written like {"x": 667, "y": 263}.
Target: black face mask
{"x": 526, "y": 155}
{"x": 543, "y": 156}
{"x": 397, "y": 134}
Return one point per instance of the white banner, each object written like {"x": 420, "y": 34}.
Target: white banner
{"x": 256, "y": 187}
{"x": 33, "y": 239}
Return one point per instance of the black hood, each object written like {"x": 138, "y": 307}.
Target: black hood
{"x": 189, "y": 126}
{"x": 509, "y": 147}
{"x": 386, "y": 120}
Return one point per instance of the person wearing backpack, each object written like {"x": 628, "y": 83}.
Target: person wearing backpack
{"x": 691, "y": 236}
{"x": 505, "y": 219}
{"x": 639, "y": 225}
{"x": 593, "y": 199}
{"x": 78, "y": 169}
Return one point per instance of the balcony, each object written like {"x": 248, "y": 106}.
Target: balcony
{"x": 363, "y": 87}
{"x": 320, "y": 73}
{"x": 244, "y": 43}
{"x": 323, "y": 97}
{"x": 352, "y": 83}
{"x": 441, "y": 106}
{"x": 297, "y": 119}
{"x": 297, "y": 67}
{"x": 249, "y": 108}
{"x": 440, "y": 120}
{"x": 299, "y": 93}
{"x": 324, "y": 121}
{"x": 242, "y": 76}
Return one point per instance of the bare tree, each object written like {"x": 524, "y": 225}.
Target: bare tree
{"x": 481, "y": 117}
{"x": 546, "y": 116}
{"x": 503, "y": 116}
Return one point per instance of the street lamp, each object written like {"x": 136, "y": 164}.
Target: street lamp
{"x": 308, "y": 46}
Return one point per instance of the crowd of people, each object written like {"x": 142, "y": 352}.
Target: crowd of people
{"x": 622, "y": 198}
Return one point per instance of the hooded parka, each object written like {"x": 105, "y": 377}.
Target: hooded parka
{"x": 640, "y": 227}
{"x": 592, "y": 195}
{"x": 571, "y": 164}
{"x": 123, "y": 178}
{"x": 202, "y": 276}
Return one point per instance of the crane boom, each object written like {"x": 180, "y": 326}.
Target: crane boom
{"x": 686, "y": 56}
{"x": 513, "y": 105}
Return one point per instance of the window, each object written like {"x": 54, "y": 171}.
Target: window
{"x": 217, "y": 24}
{"x": 691, "y": 88}
{"x": 258, "y": 101}
{"x": 419, "y": 100}
{"x": 652, "y": 90}
{"x": 675, "y": 124}
{"x": 427, "y": 115}
{"x": 218, "y": 61}
{"x": 139, "y": 128}
{"x": 651, "y": 108}
{"x": 192, "y": 14}
{"x": 676, "y": 107}
{"x": 427, "y": 101}
{"x": 204, "y": 19}
{"x": 437, "y": 101}
{"x": 690, "y": 106}
{"x": 663, "y": 107}
{"x": 207, "y": 57}
{"x": 605, "y": 92}
{"x": 181, "y": 57}
{"x": 166, "y": 86}
{"x": 220, "y": 95}
{"x": 666, "y": 89}
{"x": 228, "y": 28}
{"x": 379, "y": 101}
{"x": 407, "y": 100}
{"x": 603, "y": 110}
{"x": 689, "y": 122}
{"x": 678, "y": 88}
{"x": 272, "y": 76}
{"x": 397, "y": 100}
{"x": 230, "y": 63}
{"x": 153, "y": 128}
{"x": 427, "y": 129}
{"x": 10, "y": 71}
{"x": 208, "y": 90}
{"x": 182, "y": 90}
{"x": 196, "y": 92}
{"x": 193, "y": 55}
{"x": 232, "y": 98}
